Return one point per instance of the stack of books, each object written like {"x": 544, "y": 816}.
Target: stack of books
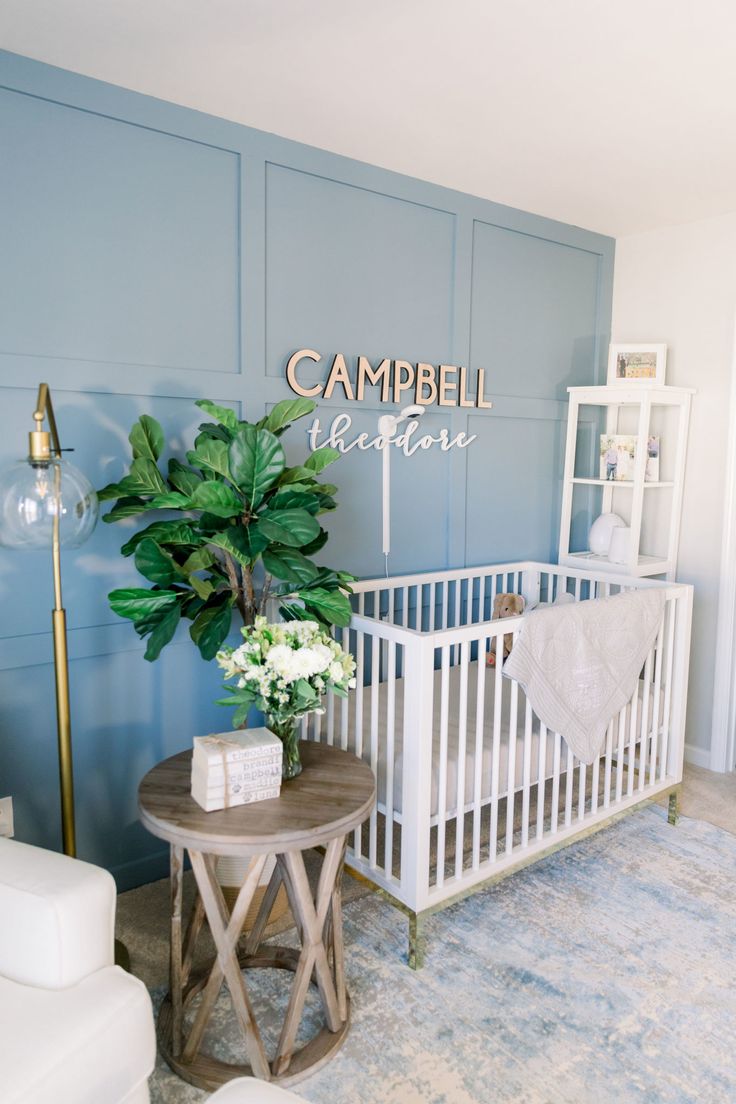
{"x": 236, "y": 768}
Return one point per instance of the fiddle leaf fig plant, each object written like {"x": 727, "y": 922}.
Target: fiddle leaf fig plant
{"x": 245, "y": 528}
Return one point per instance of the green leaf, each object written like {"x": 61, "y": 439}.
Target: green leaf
{"x": 296, "y": 475}
{"x": 155, "y": 564}
{"x": 147, "y": 438}
{"x": 208, "y": 523}
{"x": 293, "y": 528}
{"x": 164, "y": 532}
{"x": 170, "y": 500}
{"x": 288, "y": 564}
{"x": 203, "y": 588}
{"x": 290, "y": 498}
{"x": 245, "y": 544}
{"x": 162, "y": 633}
{"x": 211, "y": 455}
{"x": 210, "y": 431}
{"x": 285, "y": 412}
{"x": 200, "y": 560}
{"x": 321, "y": 458}
{"x": 295, "y": 613}
{"x": 331, "y": 605}
{"x": 256, "y": 462}
{"x": 126, "y": 507}
{"x": 110, "y": 490}
{"x": 182, "y": 478}
{"x": 314, "y": 546}
{"x": 143, "y": 478}
{"x": 217, "y": 499}
{"x": 137, "y": 604}
{"x": 212, "y": 624}
{"x": 219, "y": 413}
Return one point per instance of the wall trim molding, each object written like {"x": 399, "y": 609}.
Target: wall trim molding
{"x": 722, "y": 749}
{"x": 699, "y": 757}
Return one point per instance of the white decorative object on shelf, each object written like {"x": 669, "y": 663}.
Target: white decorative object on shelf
{"x": 599, "y": 538}
{"x": 638, "y": 409}
{"x": 618, "y": 552}
{"x": 236, "y": 768}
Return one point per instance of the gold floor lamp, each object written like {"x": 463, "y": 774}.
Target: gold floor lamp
{"x": 46, "y": 502}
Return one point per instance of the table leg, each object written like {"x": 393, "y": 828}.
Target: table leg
{"x": 175, "y": 959}
{"x": 255, "y": 935}
{"x": 336, "y": 941}
{"x": 311, "y": 917}
{"x": 226, "y": 933}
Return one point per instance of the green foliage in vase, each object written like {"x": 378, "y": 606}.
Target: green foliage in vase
{"x": 237, "y": 507}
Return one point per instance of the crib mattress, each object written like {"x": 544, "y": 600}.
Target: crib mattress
{"x": 479, "y": 740}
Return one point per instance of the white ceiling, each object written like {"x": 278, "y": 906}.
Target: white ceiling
{"x": 617, "y": 115}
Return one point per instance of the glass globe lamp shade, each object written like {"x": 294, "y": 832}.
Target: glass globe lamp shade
{"x": 31, "y": 495}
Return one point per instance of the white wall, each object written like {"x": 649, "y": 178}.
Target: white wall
{"x": 679, "y": 286}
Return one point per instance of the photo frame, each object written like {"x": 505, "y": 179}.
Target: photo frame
{"x": 637, "y": 364}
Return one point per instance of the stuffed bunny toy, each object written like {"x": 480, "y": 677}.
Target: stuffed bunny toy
{"x": 505, "y": 605}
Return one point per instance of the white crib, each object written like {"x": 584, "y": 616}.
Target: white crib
{"x": 426, "y": 706}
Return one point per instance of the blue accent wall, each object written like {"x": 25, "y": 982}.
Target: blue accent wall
{"x": 151, "y": 255}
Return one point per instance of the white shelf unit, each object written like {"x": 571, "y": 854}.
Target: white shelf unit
{"x": 640, "y": 403}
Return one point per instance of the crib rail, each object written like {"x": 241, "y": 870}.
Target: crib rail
{"x": 469, "y": 780}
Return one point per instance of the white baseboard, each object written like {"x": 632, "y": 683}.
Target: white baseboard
{"x": 699, "y": 757}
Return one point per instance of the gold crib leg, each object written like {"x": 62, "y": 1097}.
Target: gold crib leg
{"x": 673, "y": 808}
{"x": 417, "y": 941}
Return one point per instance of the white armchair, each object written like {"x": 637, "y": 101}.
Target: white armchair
{"x": 74, "y": 1028}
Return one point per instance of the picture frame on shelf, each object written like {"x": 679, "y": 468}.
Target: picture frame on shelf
{"x": 617, "y": 455}
{"x": 637, "y": 363}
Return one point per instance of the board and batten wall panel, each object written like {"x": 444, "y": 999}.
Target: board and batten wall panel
{"x": 152, "y": 255}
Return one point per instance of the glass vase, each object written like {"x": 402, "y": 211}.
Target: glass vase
{"x": 287, "y": 730}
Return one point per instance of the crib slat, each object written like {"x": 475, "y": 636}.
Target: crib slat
{"x": 556, "y": 783}
{"x": 461, "y": 764}
{"x": 358, "y": 699}
{"x": 656, "y": 704}
{"x": 633, "y": 705}
{"x": 645, "y": 727}
{"x": 668, "y": 691}
{"x": 609, "y": 757}
{"x": 390, "y": 738}
{"x": 620, "y": 753}
{"x": 582, "y": 772}
{"x": 511, "y": 763}
{"x": 541, "y": 778}
{"x": 442, "y": 765}
{"x": 330, "y": 718}
{"x": 375, "y": 677}
{"x": 595, "y": 784}
{"x": 569, "y": 783}
{"x": 496, "y": 752}
{"x": 480, "y": 699}
{"x": 526, "y": 777}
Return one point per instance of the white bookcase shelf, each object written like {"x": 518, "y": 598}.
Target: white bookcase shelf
{"x": 637, "y": 405}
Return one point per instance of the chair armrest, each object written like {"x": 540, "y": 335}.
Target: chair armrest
{"x": 57, "y": 917}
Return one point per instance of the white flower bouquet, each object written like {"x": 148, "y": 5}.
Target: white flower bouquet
{"x": 284, "y": 670}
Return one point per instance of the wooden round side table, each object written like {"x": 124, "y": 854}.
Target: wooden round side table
{"x": 333, "y": 795}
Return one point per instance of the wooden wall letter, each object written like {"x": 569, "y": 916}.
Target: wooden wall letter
{"x": 462, "y": 390}
{"x": 399, "y": 386}
{"x": 445, "y": 385}
{"x": 381, "y": 374}
{"x": 479, "y": 400}
{"x": 339, "y": 374}
{"x": 302, "y": 354}
{"x": 426, "y": 378}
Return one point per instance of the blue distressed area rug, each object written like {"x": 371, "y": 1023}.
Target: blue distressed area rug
{"x": 603, "y": 974}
